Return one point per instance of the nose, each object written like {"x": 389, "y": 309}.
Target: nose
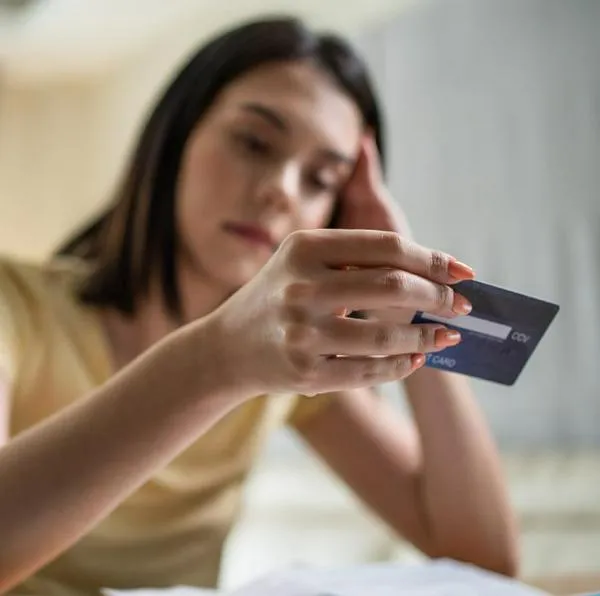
{"x": 279, "y": 189}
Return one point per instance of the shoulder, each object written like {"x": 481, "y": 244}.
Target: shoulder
{"x": 39, "y": 303}
{"x": 18, "y": 291}
{"x": 29, "y": 281}
{"x": 34, "y": 293}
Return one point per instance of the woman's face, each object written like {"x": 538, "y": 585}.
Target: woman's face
{"x": 268, "y": 158}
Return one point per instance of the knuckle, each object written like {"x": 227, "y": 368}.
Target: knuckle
{"x": 395, "y": 282}
{"x": 395, "y": 244}
{"x": 298, "y": 240}
{"x": 445, "y": 296}
{"x": 296, "y": 248}
{"x": 299, "y": 336}
{"x": 298, "y": 292}
{"x": 377, "y": 370}
{"x": 293, "y": 314}
{"x": 438, "y": 264}
{"x": 371, "y": 371}
{"x": 401, "y": 366}
{"x": 306, "y": 369}
{"x": 425, "y": 338}
{"x": 291, "y": 240}
{"x": 385, "y": 337}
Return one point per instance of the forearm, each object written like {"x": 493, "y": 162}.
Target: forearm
{"x": 64, "y": 475}
{"x": 462, "y": 485}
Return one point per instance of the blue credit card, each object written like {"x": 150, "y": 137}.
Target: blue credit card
{"x": 498, "y": 336}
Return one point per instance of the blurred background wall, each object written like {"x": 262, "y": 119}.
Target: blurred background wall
{"x": 494, "y": 116}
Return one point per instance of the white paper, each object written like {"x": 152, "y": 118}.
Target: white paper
{"x": 439, "y": 578}
{"x": 174, "y": 591}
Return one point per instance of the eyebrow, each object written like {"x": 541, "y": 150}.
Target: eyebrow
{"x": 267, "y": 114}
{"x": 277, "y": 121}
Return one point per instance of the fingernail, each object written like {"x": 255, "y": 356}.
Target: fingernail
{"x": 459, "y": 271}
{"x": 446, "y": 337}
{"x": 418, "y": 360}
{"x": 461, "y": 305}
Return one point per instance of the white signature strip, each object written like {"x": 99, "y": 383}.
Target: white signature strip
{"x": 471, "y": 323}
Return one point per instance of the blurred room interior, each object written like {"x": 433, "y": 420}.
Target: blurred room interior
{"x": 494, "y": 115}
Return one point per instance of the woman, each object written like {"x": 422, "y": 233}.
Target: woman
{"x": 149, "y": 363}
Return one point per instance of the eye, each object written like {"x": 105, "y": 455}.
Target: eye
{"x": 322, "y": 183}
{"x": 253, "y": 144}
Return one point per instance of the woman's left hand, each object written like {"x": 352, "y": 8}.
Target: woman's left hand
{"x": 366, "y": 201}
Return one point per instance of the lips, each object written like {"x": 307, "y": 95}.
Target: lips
{"x": 251, "y": 233}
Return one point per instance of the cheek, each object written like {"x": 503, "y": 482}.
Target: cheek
{"x": 209, "y": 185}
{"x": 204, "y": 171}
{"x": 316, "y": 214}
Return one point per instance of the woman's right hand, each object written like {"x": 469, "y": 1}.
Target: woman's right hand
{"x": 281, "y": 333}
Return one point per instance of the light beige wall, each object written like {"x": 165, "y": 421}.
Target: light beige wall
{"x": 62, "y": 146}
{"x": 45, "y": 167}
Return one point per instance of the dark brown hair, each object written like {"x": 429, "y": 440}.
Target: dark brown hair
{"x": 135, "y": 239}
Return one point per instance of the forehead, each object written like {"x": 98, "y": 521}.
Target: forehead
{"x": 304, "y": 95}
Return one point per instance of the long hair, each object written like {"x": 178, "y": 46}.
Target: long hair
{"x": 135, "y": 239}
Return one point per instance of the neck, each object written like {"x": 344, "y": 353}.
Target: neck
{"x": 129, "y": 336}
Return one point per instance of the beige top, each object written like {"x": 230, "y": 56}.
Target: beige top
{"x": 172, "y": 530}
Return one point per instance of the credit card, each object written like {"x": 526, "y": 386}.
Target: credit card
{"x": 499, "y": 336}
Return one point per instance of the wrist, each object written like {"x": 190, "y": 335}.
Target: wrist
{"x": 215, "y": 355}
{"x": 205, "y": 365}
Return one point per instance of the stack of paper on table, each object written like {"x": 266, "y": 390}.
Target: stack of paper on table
{"x": 439, "y": 578}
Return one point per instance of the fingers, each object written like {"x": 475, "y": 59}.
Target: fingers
{"x": 332, "y": 353}
{"x": 319, "y": 250}
{"x": 376, "y": 289}
{"x": 343, "y": 373}
{"x": 361, "y": 185}
{"x": 366, "y": 180}
{"x": 334, "y": 271}
{"x": 355, "y": 337}
{"x": 371, "y": 162}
